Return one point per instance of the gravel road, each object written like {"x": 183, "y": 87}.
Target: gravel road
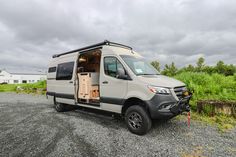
{"x": 29, "y": 126}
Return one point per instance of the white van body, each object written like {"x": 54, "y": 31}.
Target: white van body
{"x": 121, "y": 84}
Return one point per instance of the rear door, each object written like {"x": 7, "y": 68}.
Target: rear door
{"x": 65, "y": 80}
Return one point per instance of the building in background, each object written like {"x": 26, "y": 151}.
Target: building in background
{"x": 16, "y": 77}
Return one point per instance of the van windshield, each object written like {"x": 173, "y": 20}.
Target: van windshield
{"x": 139, "y": 65}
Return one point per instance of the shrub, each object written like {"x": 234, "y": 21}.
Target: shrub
{"x": 206, "y": 86}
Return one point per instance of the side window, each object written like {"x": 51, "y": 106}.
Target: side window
{"x": 111, "y": 64}
{"x": 65, "y": 71}
{"x": 52, "y": 69}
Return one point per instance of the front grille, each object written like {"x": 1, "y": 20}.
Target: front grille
{"x": 179, "y": 91}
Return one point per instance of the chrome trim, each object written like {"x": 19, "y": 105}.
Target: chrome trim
{"x": 173, "y": 93}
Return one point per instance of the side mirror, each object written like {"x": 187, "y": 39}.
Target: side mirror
{"x": 121, "y": 73}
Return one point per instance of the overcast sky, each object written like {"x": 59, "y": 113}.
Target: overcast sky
{"x": 31, "y": 31}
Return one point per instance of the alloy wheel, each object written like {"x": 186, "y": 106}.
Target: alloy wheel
{"x": 135, "y": 120}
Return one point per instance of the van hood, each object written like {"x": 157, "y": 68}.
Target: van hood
{"x": 161, "y": 81}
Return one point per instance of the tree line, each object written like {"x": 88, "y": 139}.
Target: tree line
{"x": 220, "y": 67}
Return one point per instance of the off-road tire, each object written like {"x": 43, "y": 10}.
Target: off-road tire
{"x": 139, "y": 125}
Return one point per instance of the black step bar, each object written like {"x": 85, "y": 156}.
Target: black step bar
{"x": 105, "y": 42}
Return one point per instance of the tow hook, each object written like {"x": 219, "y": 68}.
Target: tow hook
{"x": 187, "y": 108}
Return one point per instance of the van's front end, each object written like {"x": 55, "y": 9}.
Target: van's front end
{"x": 168, "y": 101}
{"x": 165, "y": 97}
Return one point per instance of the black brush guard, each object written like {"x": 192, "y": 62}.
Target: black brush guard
{"x": 182, "y": 105}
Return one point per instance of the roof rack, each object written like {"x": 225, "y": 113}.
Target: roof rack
{"x": 105, "y": 42}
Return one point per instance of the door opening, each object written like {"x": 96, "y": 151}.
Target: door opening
{"x": 88, "y": 74}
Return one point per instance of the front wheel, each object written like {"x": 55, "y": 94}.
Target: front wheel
{"x": 137, "y": 120}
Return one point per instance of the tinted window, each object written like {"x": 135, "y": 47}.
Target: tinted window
{"x": 111, "y": 64}
{"x": 52, "y": 69}
{"x": 65, "y": 71}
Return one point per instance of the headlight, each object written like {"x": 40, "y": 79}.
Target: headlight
{"x": 159, "y": 90}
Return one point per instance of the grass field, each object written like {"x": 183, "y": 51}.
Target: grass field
{"x": 32, "y": 87}
{"x": 209, "y": 87}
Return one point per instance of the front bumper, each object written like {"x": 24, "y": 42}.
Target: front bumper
{"x": 166, "y": 106}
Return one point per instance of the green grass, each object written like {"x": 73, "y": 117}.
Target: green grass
{"x": 33, "y": 87}
{"x": 222, "y": 122}
{"x": 8, "y": 88}
{"x": 209, "y": 87}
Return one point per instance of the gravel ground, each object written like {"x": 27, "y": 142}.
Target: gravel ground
{"x": 29, "y": 126}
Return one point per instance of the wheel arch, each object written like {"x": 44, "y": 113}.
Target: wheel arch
{"x": 134, "y": 101}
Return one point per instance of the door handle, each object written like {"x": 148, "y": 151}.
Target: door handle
{"x": 105, "y": 82}
{"x": 70, "y": 81}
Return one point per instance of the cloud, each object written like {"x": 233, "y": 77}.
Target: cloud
{"x": 166, "y": 30}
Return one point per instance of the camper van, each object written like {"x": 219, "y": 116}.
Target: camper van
{"x": 113, "y": 77}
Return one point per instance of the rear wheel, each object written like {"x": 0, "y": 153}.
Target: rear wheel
{"x": 137, "y": 120}
{"x": 59, "y": 106}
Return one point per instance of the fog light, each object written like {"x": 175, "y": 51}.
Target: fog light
{"x": 186, "y": 93}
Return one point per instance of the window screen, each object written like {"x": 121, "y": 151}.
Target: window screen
{"x": 65, "y": 71}
{"x": 52, "y": 69}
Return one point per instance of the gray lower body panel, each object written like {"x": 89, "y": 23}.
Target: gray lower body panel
{"x": 166, "y": 106}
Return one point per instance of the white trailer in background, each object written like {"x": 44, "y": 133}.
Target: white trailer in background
{"x": 17, "y": 78}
